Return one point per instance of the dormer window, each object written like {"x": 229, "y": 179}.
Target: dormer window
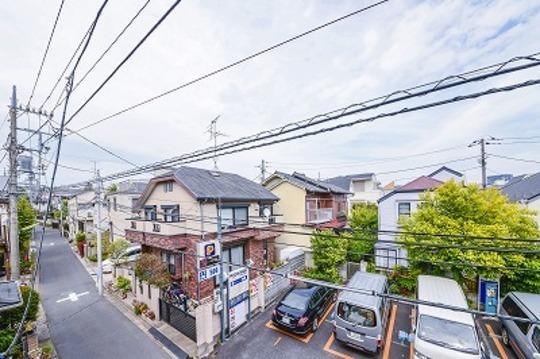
{"x": 150, "y": 213}
{"x": 171, "y": 213}
{"x": 168, "y": 186}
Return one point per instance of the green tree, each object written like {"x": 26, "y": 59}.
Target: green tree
{"x": 26, "y": 216}
{"x": 364, "y": 220}
{"x": 112, "y": 188}
{"x": 468, "y": 210}
{"x": 150, "y": 269}
{"x": 117, "y": 252}
{"x": 329, "y": 253}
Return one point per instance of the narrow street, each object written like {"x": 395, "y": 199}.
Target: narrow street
{"x": 82, "y": 324}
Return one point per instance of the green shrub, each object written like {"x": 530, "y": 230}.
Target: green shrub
{"x": 12, "y": 317}
{"x": 80, "y": 237}
{"x": 92, "y": 258}
{"x": 123, "y": 284}
{"x": 402, "y": 281}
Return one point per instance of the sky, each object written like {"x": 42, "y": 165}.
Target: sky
{"x": 393, "y": 46}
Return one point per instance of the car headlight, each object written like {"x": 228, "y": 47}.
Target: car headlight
{"x": 419, "y": 355}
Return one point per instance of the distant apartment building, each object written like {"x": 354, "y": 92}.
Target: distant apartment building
{"x": 365, "y": 187}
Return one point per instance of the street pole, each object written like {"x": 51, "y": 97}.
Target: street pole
{"x": 98, "y": 235}
{"x": 61, "y": 217}
{"x": 483, "y": 161}
{"x": 263, "y": 171}
{"x": 14, "y": 256}
{"x": 221, "y": 274}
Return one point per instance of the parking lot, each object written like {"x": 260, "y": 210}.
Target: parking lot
{"x": 260, "y": 339}
{"x": 491, "y": 330}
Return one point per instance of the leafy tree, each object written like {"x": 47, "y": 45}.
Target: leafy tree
{"x": 150, "y": 269}
{"x": 112, "y": 188}
{"x": 468, "y": 210}
{"x": 329, "y": 253}
{"x": 117, "y": 251}
{"x": 26, "y": 216}
{"x": 364, "y": 219}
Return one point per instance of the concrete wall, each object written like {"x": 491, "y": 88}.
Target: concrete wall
{"x": 371, "y": 193}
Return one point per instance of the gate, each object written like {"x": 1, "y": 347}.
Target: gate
{"x": 177, "y": 318}
{"x": 278, "y": 284}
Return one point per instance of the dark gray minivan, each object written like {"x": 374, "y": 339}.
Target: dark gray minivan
{"x": 524, "y": 338}
{"x": 360, "y": 319}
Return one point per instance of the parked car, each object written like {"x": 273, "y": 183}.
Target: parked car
{"x": 444, "y": 333}
{"x": 302, "y": 307}
{"x": 130, "y": 254}
{"x": 523, "y": 337}
{"x": 360, "y": 319}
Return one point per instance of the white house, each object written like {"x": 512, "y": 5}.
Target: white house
{"x": 83, "y": 212}
{"x": 365, "y": 187}
{"x": 121, "y": 205}
{"x": 402, "y": 202}
{"x": 525, "y": 190}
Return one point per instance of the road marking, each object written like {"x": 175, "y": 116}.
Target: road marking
{"x": 328, "y": 345}
{"x": 51, "y": 244}
{"x": 390, "y": 332}
{"x": 277, "y": 341}
{"x": 300, "y": 338}
{"x": 497, "y": 342}
{"x": 72, "y": 296}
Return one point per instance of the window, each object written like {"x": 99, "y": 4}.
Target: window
{"x": 447, "y": 333}
{"x": 150, "y": 213}
{"x": 404, "y": 209}
{"x": 234, "y": 216}
{"x": 536, "y": 338}
{"x": 262, "y": 209}
{"x": 232, "y": 255}
{"x": 168, "y": 186}
{"x": 115, "y": 207}
{"x": 171, "y": 213}
{"x": 133, "y": 225}
{"x": 134, "y": 204}
{"x": 156, "y": 227}
{"x": 169, "y": 259}
{"x": 356, "y": 315}
{"x": 514, "y": 310}
{"x": 359, "y": 186}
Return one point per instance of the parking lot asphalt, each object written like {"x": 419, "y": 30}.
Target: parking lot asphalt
{"x": 491, "y": 330}
{"x": 260, "y": 339}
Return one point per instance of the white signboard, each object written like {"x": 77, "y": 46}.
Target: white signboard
{"x": 238, "y": 314}
{"x": 208, "y": 249}
{"x": 238, "y": 282}
{"x": 209, "y": 272}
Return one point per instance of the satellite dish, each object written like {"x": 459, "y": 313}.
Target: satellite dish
{"x": 267, "y": 212}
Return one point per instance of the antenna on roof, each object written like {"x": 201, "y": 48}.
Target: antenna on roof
{"x": 214, "y": 134}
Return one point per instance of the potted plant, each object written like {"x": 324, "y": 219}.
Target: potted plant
{"x": 123, "y": 284}
{"x": 80, "y": 238}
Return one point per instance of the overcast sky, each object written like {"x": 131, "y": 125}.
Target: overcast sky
{"x": 393, "y": 46}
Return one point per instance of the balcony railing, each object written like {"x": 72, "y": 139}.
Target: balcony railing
{"x": 320, "y": 215}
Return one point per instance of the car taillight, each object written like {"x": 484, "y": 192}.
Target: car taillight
{"x": 302, "y": 321}
{"x": 274, "y": 313}
{"x": 379, "y": 341}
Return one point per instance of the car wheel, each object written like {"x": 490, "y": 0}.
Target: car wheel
{"x": 315, "y": 325}
{"x": 504, "y": 335}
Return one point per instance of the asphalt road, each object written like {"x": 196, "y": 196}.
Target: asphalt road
{"x": 258, "y": 339}
{"x": 83, "y": 324}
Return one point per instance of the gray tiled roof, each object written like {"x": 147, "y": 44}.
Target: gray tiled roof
{"x": 132, "y": 187}
{"x": 213, "y": 185}
{"x": 522, "y": 188}
{"x": 310, "y": 184}
{"x": 345, "y": 181}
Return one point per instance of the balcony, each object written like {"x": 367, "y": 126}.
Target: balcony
{"x": 320, "y": 215}
{"x": 160, "y": 227}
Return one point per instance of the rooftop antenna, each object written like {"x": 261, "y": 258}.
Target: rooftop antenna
{"x": 214, "y": 134}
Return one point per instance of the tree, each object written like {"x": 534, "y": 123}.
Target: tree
{"x": 117, "y": 252}
{"x": 150, "y": 269}
{"x": 329, "y": 253}
{"x": 468, "y": 210}
{"x": 26, "y": 216}
{"x": 112, "y": 188}
{"x": 364, "y": 220}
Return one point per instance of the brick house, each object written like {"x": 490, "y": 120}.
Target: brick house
{"x": 179, "y": 209}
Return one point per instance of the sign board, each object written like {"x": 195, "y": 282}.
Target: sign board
{"x": 488, "y": 296}
{"x": 238, "y": 310}
{"x": 238, "y": 282}
{"x": 208, "y": 249}
{"x": 208, "y": 273}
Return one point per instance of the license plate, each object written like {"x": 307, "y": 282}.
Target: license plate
{"x": 286, "y": 320}
{"x": 356, "y": 336}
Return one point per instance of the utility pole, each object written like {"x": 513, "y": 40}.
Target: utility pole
{"x": 98, "y": 234}
{"x": 221, "y": 274}
{"x": 262, "y": 166}
{"x": 14, "y": 256}
{"x": 214, "y": 134}
{"x": 482, "y": 142}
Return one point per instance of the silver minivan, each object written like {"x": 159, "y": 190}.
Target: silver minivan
{"x": 523, "y": 337}
{"x": 360, "y": 319}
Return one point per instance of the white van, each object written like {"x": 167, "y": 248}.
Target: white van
{"x": 443, "y": 333}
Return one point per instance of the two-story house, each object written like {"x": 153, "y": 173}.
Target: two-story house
{"x": 306, "y": 204}
{"x": 365, "y": 187}
{"x": 82, "y": 211}
{"x": 122, "y": 203}
{"x": 402, "y": 202}
{"x": 525, "y": 190}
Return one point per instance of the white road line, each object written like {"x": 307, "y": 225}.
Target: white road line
{"x": 72, "y": 297}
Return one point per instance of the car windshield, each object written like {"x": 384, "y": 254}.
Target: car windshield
{"x": 536, "y": 338}
{"x": 356, "y": 315}
{"x": 297, "y": 299}
{"x": 447, "y": 333}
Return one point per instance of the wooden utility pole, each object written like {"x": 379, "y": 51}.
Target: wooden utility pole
{"x": 483, "y": 161}
{"x": 14, "y": 256}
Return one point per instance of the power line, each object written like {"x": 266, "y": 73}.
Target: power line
{"x": 156, "y": 25}
{"x": 513, "y": 158}
{"x": 55, "y": 168}
{"x": 236, "y": 63}
{"x": 46, "y": 51}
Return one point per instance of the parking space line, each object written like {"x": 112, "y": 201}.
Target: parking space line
{"x": 300, "y": 338}
{"x": 328, "y": 345}
{"x": 277, "y": 341}
{"x": 390, "y": 332}
{"x": 411, "y": 346}
{"x": 497, "y": 342}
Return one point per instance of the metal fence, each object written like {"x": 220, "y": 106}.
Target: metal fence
{"x": 178, "y": 319}
{"x": 278, "y": 284}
